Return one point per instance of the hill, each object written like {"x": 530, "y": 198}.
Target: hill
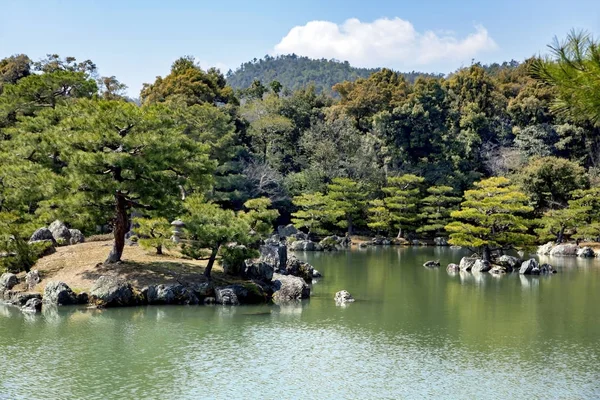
{"x": 294, "y": 72}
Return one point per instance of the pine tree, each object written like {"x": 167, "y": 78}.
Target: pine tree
{"x": 380, "y": 218}
{"x": 555, "y": 223}
{"x": 403, "y": 194}
{"x": 436, "y": 209}
{"x": 588, "y": 201}
{"x": 210, "y": 227}
{"x": 348, "y": 197}
{"x": 260, "y": 216}
{"x": 154, "y": 233}
{"x": 492, "y": 217}
{"x": 315, "y": 213}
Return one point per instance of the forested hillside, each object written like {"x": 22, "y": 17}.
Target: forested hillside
{"x": 295, "y": 72}
{"x": 518, "y": 144}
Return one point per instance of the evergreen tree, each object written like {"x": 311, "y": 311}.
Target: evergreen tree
{"x": 315, "y": 213}
{"x": 588, "y": 202}
{"x": 555, "y": 223}
{"x": 436, "y": 209}
{"x": 260, "y": 216}
{"x": 380, "y": 218}
{"x": 403, "y": 194}
{"x": 210, "y": 227}
{"x": 348, "y": 198}
{"x": 154, "y": 233}
{"x": 492, "y": 217}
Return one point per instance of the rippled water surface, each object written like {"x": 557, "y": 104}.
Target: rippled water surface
{"x": 413, "y": 333}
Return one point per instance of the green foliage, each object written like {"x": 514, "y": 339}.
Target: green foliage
{"x": 436, "y": 209}
{"x": 587, "y": 203}
{"x": 492, "y": 216}
{"x": 154, "y": 233}
{"x": 402, "y": 197}
{"x": 315, "y": 213}
{"x": 233, "y": 257}
{"x": 348, "y": 197}
{"x": 260, "y": 216}
{"x": 379, "y": 217}
{"x": 555, "y": 223}
{"x": 549, "y": 181}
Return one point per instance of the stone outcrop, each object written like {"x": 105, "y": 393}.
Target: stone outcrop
{"x": 110, "y": 291}
{"x": 289, "y": 288}
{"x": 342, "y": 297}
{"x": 60, "y": 232}
{"x": 547, "y": 269}
{"x": 33, "y": 305}
{"x": 380, "y": 241}
{"x": 332, "y": 243}
{"x": 247, "y": 293}
{"x": 275, "y": 253}
{"x": 509, "y": 262}
{"x": 544, "y": 250}
{"x": 440, "y": 241}
{"x": 529, "y": 267}
{"x": 452, "y": 267}
{"x": 8, "y": 281}
{"x": 481, "y": 266}
{"x": 287, "y": 230}
{"x": 305, "y": 245}
{"x": 586, "y": 252}
{"x": 169, "y": 294}
{"x": 32, "y": 278}
{"x": 60, "y": 294}
{"x": 466, "y": 263}
{"x": 299, "y": 268}
{"x": 259, "y": 270}
{"x": 564, "y": 250}
{"x": 42, "y": 235}
{"x": 76, "y": 236}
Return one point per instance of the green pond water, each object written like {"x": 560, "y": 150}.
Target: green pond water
{"x": 412, "y": 333}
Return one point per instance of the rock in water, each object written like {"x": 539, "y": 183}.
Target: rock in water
{"x": 33, "y": 305}
{"x": 528, "y": 267}
{"x": 8, "y": 281}
{"x": 547, "y": 269}
{"x": 110, "y": 291}
{"x": 42, "y": 234}
{"x": 247, "y": 293}
{"x": 585, "y": 252}
{"x": 59, "y": 293}
{"x": 431, "y": 264}
{"x": 170, "y": 294}
{"x": 509, "y": 262}
{"x": 481, "y": 266}
{"x": 466, "y": 263}
{"x": 452, "y": 268}
{"x": 288, "y": 230}
{"x": 343, "y": 297}
{"x": 60, "y": 232}
{"x": 440, "y": 241}
{"x": 76, "y": 236}
{"x": 289, "y": 288}
{"x": 564, "y": 250}
{"x": 274, "y": 253}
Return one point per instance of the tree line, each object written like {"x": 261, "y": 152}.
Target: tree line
{"x": 385, "y": 156}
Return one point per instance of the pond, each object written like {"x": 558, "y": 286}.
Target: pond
{"x": 412, "y": 333}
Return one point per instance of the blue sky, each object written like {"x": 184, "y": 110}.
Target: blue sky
{"x": 138, "y": 40}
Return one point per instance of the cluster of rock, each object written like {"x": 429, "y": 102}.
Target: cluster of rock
{"x": 299, "y": 241}
{"x": 502, "y": 265}
{"x": 343, "y": 297}
{"x": 566, "y": 250}
{"x": 57, "y": 233}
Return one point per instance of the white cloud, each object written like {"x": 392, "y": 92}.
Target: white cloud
{"x": 383, "y": 42}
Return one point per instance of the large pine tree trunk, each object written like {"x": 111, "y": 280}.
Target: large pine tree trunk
{"x": 211, "y": 261}
{"x": 350, "y": 227}
{"x": 561, "y": 236}
{"x": 486, "y": 254}
{"x": 120, "y": 229}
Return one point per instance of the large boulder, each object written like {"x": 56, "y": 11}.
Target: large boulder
{"x": 60, "y": 294}
{"x": 60, "y": 232}
{"x": 8, "y": 281}
{"x": 203, "y": 290}
{"x": 305, "y": 245}
{"x": 466, "y": 263}
{"x": 452, "y": 267}
{"x": 76, "y": 236}
{"x": 481, "y": 266}
{"x": 529, "y": 267}
{"x": 247, "y": 293}
{"x": 564, "y": 250}
{"x": 41, "y": 235}
{"x": 33, "y": 305}
{"x": 287, "y": 230}
{"x": 586, "y": 252}
{"x": 299, "y": 268}
{"x": 111, "y": 291}
{"x": 332, "y": 243}
{"x": 289, "y": 288}
{"x": 545, "y": 249}
{"x": 342, "y": 297}
{"x": 274, "y": 253}
{"x": 509, "y": 262}
{"x": 259, "y": 270}
{"x": 170, "y": 294}
{"x": 440, "y": 241}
